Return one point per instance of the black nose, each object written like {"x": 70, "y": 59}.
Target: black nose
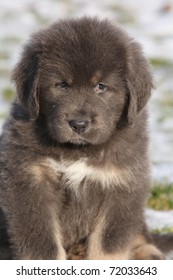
{"x": 78, "y": 125}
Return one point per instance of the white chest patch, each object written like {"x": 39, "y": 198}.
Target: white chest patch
{"x": 75, "y": 172}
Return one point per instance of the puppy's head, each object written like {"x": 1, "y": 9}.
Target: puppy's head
{"x": 84, "y": 78}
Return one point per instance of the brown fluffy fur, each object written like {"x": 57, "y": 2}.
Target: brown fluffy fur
{"x": 74, "y": 150}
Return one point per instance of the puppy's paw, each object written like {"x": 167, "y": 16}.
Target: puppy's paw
{"x": 77, "y": 252}
{"x": 147, "y": 252}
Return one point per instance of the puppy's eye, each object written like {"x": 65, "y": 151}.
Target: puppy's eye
{"x": 100, "y": 87}
{"x": 62, "y": 85}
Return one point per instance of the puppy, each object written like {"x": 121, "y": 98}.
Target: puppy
{"x": 74, "y": 163}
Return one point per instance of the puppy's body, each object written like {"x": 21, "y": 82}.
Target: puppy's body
{"x": 74, "y": 152}
{"x": 97, "y": 189}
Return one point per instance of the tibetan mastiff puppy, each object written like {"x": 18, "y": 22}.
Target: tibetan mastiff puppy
{"x": 74, "y": 164}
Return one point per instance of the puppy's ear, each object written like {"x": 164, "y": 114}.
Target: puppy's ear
{"x": 26, "y": 76}
{"x": 139, "y": 82}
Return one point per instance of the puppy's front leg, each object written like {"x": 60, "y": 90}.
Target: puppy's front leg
{"x": 30, "y": 204}
{"x": 101, "y": 249}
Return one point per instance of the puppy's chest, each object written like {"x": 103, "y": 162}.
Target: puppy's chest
{"x": 75, "y": 174}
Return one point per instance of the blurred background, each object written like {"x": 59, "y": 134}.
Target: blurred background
{"x": 151, "y": 23}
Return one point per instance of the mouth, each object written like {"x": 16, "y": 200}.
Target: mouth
{"x": 78, "y": 141}
{"x": 75, "y": 144}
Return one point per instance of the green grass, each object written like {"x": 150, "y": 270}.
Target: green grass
{"x": 161, "y": 197}
{"x": 164, "y": 230}
{"x": 2, "y": 115}
{"x": 161, "y": 62}
{"x": 8, "y": 94}
{"x": 167, "y": 100}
